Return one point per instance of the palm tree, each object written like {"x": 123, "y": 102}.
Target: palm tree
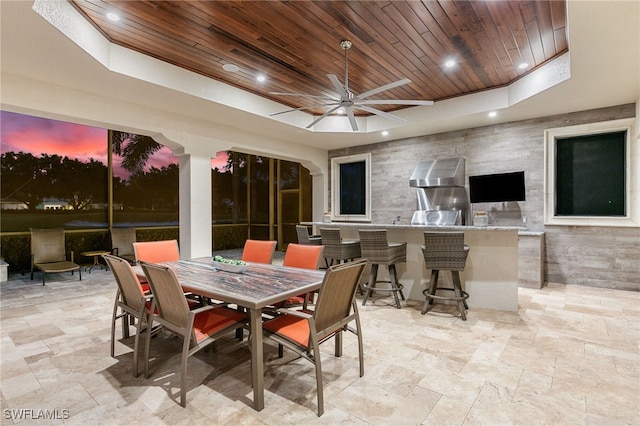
{"x": 135, "y": 153}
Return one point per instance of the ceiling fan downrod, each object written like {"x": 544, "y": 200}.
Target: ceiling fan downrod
{"x": 346, "y": 44}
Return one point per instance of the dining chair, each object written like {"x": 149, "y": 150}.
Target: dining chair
{"x": 306, "y": 239}
{"x": 336, "y": 308}
{"x": 155, "y": 252}
{"x": 198, "y": 328}
{"x": 301, "y": 256}
{"x": 258, "y": 251}
{"x": 132, "y": 301}
{"x": 48, "y": 253}
{"x": 122, "y": 240}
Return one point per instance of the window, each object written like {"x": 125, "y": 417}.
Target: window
{"x": 229, "y": 185}
{"x": 56, "y": 174}
{"x": 145, "y": 182}
{"x": 351, "y": 188}
{"x": 589, "y": 178}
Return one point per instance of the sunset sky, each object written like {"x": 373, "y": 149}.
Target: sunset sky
{"x": 37, "y": 135}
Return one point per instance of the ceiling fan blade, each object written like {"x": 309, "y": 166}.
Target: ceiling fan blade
{"x": 303, "y": 95}
{"x": 303, "y": 108}
{"x": 340, "y": 89}
{"x": 382, "y": 88}
{"x": 323, "y": 116}
{"x": 352, "y": 118}
{"x": 380, "y": 113}
{"x": 394, "y": 102}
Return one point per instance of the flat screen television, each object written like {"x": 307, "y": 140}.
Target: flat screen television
{"x": 497, "y": 187}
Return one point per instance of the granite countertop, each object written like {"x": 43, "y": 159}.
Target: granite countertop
{"x": 409, "y": 226}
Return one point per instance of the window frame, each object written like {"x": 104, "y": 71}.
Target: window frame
{"x": 336, "y": 162}
{"x": 632, "y": 209}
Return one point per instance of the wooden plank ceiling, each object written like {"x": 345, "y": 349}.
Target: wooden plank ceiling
{"x": 295, "y": 44}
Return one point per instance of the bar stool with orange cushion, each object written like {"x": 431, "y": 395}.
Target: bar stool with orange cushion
{"x": 258, "y": 251}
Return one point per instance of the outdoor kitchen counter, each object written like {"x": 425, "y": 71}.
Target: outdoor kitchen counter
{"x": 491, "y": 273}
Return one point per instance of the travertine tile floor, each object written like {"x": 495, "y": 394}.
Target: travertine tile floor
{"x": 569, "y": 356}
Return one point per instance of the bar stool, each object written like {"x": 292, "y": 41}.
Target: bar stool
{"x": 305, "y": 239}
{"x": 337, "y": 249}
{"x": 445, "y": 251}
{"x": 377, "y": 250}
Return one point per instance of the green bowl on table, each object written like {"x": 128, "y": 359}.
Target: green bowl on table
{"x": 229, "y": 265}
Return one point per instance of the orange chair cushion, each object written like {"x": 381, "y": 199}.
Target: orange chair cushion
{"x": 258, "y": 251}
{"x": 291, "y": 327}
{"x": 301, "y": 256}
{"x": 207, "y": 323}
{"x": 157, "y": 251}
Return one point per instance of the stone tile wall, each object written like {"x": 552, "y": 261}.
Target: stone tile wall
{"x": 593, "y": 256}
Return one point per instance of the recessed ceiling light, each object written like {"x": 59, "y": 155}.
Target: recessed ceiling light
{"x": 231, "y": 68}
{"x": 450, "y": 63}
{"x": 112, "y": 16}
{"x": 493, "y": 114}
{"x": 261, "y": 78}
{"x": 385, "y": 133}
{"x": 523, "y": 65}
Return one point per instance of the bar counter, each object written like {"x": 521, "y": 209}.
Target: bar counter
{"x": 491, "y": 273}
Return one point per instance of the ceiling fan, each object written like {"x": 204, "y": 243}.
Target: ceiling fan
{"x": 346, "y": 99}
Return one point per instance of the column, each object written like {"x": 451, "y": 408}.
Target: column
{"x": 195, "y": 206}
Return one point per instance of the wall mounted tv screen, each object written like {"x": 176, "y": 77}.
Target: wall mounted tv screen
{"x": 497, "y": 187}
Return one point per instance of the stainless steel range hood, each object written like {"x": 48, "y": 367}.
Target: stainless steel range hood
{"x": 442, "y": 172}
{"x": 442, "y": 197}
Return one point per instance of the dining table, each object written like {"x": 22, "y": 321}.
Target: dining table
{"x": 260, "y": 285}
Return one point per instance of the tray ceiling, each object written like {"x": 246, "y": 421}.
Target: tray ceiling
{"x": 295, "y": 44}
